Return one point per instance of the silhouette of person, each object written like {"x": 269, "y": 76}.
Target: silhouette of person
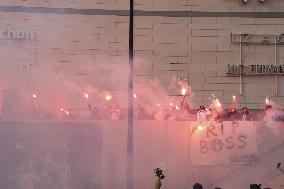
{"x": 197, "y": 186}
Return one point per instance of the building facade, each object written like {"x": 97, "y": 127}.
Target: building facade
{"x": 87, "y": 42}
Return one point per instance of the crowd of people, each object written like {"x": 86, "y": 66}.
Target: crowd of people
{"x": 168, "y": 111}
{"x": 231, "y": 114}
{"x": 185, "y": 113}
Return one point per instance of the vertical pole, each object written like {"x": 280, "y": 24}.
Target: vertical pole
{"x": 241, "y": 63}
{"x": 130, "y": 100}
{"x": 33, "y": 55}
{"x": 275, "y": 62}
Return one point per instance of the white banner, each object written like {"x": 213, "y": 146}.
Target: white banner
{"x": 228, "y": 142}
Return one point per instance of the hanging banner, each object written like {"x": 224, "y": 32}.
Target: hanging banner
{"x": 228, "y": 142}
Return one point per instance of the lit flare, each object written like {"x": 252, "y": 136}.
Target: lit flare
{"x": 108, "y": 98}
{"x": 183, "y": 91}
{"x": 234, "y": 98}
{"x": 86, "y": 95}
{"x": 267, "y": 100}
{"x": 200, "y": 127}
{"x": 218, "y": 103}
{"x": 177, "y": 108}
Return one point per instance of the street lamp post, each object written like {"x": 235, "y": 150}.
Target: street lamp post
{"x": 130, "y": 100}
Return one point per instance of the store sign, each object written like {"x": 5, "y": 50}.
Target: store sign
{"x": 258, "y": 39}
{"x": 255, "y": 69}
{"x": 17, "y": 35}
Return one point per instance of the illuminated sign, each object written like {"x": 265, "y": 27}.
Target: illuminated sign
{"x": 255, "y": 69}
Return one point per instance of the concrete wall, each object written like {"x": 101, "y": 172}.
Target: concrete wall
{"x": 192, "y": 45}
{"x": 167, "y": 145}
{"x": 95, "y": 155}
{"x": 50, "y": 155}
